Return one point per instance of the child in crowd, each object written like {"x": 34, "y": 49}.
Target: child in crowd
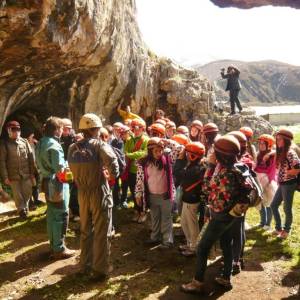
{"x": 196, "y": 131}
{"x": 266, "y": 175}
{"x": 190, "y": 174}
{"x": 288, "y": 166}
{"x": 155, "y": 188}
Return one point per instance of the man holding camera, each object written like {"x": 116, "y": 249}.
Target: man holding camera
{"x": 233, "y": 86}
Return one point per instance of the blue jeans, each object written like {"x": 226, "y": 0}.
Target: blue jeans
{"x": 265, "y": 216}
{"x": 285, "y": 193}
{"x": 215, "y": 230}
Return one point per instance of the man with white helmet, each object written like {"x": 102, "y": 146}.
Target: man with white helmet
{"x": 92, "y": 161}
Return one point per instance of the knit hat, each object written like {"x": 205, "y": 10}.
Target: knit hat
{"x": 285, "y": 133}
{"x": 228, "y": 145}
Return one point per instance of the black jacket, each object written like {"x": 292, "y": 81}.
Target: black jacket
{"x": 233, "y": 82}
{"x": 187, "y": 175}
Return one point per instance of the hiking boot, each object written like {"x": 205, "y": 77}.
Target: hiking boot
{"x": 183, "y": 247}
{"x": 236, "y": 268}
{"x": 67, "y": 253}
{"x": 98, "y": 277}
{"x": 136, "y": 216}
{"x": 224, "y": 282}
{"x": 188, "y": 253}
{"x": 142, "y": 218}
{"x": 193, "y": 287}
{"x": 283, "y": 235}
{"x": 23, "y": 214}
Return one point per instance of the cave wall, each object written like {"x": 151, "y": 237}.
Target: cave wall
{"x": 64, "y": 58}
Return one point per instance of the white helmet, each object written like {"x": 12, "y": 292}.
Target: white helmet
{"x": 89, "y": 121}
{"x": 67, "y": 123}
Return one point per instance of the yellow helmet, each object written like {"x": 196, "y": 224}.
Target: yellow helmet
{"x": 89, "y": 121}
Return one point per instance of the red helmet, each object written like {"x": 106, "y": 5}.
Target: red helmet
{"x": 198, "y": 124}
{"x": 157, "y": 127}
{"x": 241, "y": 137}
{"x": 183, "y": 129}
{"x": 269, "y": 139}
{"x": 170, "y": 124}
{"x": 197, "y": 150}
{"x": 13, "y": 124}
{"x": 180, "y": 139}
{"x": 247, "y": 131}
{"x": 138, "y": 123}
{"x": 154, "y": 142}
{"x": 210, "y": 127}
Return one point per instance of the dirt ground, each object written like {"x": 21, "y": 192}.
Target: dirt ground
{"x": 139, "y": 272}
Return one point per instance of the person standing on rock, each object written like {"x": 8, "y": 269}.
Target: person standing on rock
{"x": 17, "y": 166}
{"x": 52, "y": 166}
{"x": 233, "y": 86}
{"x": 92, "y": 163}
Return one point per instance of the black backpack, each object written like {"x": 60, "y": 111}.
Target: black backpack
{"x": 250, "y": 187}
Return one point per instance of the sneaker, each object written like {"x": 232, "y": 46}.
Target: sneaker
{"x": 183, "y": 247}
{"x": 188, "y": 253}
{"x": 142, "y": 218}
{"x": 258, "y": 226}
{"x": 276, "y": 232}
{"x": 124, "y": 205}
{"x": 194, "y": 287}
{"x": 67, "y": 253}
{"x": 267, "y": 228}
{"x": 283, "y": 235}
{"x": 164, "y": 246}
{"x": 23, "y": 214}
{"x": 236, "y": 268}
{"x": 223, "y": 282}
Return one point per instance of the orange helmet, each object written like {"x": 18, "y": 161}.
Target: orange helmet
{"x": 170, "y": 124}
{"x": 180, "y": 139}
{"x": 247, "y": 131}
{"x": 196, "y": 149}
{"x": 183, "y": 129}
{"x": 210, "y": 127}
{"x": 157, "y": 127}
{"x": 240, "y": 136}
{"x": 269, "y": 139}
{"x": 160, "y": 121}
{"x": 154, "y": 142}
{"x": 198, "y": 124}
{"x": 138, "y": 123}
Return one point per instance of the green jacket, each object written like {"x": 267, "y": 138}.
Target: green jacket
{"x": 132, "y": 155}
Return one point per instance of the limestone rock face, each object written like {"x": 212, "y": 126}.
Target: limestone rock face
{"x": 69, "y": 57}
{"x": 254, "y": 3}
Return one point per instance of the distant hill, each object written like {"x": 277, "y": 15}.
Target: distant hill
{"x": 267, "y": 82}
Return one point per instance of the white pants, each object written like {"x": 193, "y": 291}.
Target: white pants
{"x": 189, "y": 224}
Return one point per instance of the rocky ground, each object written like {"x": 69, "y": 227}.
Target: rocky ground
{"x": 139, "y": 272}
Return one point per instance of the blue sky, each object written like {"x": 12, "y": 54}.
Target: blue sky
{"x": 196, "y": 31}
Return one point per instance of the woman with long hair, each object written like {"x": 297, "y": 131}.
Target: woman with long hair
{"x": 288, "y": 166}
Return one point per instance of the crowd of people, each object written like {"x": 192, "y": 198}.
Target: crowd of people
{"x": 187, "y": 171}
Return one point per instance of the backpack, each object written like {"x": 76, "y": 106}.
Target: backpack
{"x": 121, "y": 159}
{"x": 250, "y": 187}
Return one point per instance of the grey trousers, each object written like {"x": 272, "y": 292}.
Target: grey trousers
{"x": 22, "y": 191}
{"x": 161, "y": 219}
{"x": 189, "y": 224}
{"x": 95, "y": 229}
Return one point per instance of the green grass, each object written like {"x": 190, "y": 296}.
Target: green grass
{"x": 262, "y": 246}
